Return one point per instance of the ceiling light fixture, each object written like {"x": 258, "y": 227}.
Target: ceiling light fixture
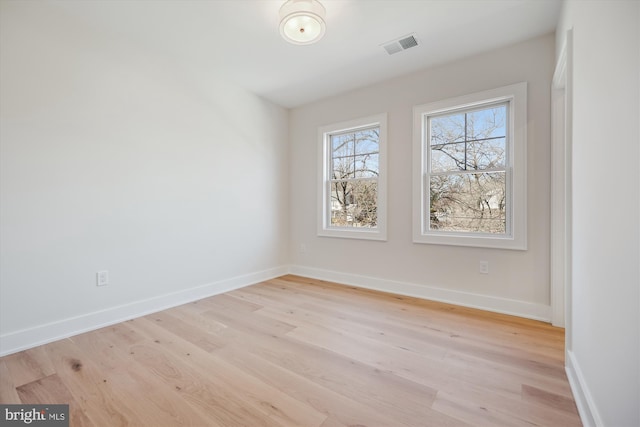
{"x": 302, "y": 21}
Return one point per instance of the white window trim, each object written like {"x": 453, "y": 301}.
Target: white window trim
{"x": 516, "y": 236}
{"x": 324, "y": 133}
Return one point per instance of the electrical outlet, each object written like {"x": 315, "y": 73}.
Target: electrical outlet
{"x": 484, "y": 267}
{"x": 102, "y": 278}
{"x": 303, "y": 248}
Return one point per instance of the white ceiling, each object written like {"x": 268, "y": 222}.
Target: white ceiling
{"x": 239, "y": 39}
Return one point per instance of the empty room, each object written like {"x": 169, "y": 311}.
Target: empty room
{"x": 320, "y": 213}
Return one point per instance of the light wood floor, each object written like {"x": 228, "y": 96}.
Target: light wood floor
{"x": 304, "y": 353}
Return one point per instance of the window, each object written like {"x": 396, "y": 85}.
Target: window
{"x": 352, "y": 193}
{"x": 470, "y": 170}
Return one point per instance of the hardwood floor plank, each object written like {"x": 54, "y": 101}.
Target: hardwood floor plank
{"x": 29, "y": 365}
{"x": 121, "y": 335}
{"x": 8, "y": 393}
{"x": 471, "y": 412}
{"x": 102, "y": 403}
{"x": 45, "y": 390}
{"x": 544, "y": 397}
{"x": 553, "y": 381}
{"x": 426, "y": 340}
{"x": 51, "y": 390}
{"x": 294, "y": 352}
{"x": 308, "y": 317}
{"x": 415, "y": 367}
{"x": 445, "y": 318}
{"x": 258, "y": 399}
{"x": 227, "y": 302}
{"x": 341, "y": 407}
{"x": 245, "y": 323}
{"x": 193, "y": 316}
{"x": 185, "y": 330}
{"x": 357, "y": 381}
{"x": 118, "y": 361}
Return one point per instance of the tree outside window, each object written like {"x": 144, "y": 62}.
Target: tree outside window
{"x": 467, "y": 180}
{"x": 470, "y": 169}
{"x": 354, "y": 178}
{"x": 352, "y": 181}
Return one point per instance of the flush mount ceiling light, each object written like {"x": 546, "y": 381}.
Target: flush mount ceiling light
{"x": 302, "y": 21}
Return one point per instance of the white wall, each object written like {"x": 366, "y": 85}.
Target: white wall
{"x": 519, "y": 280}
{"x": 115, "y": 159}
{"x": 604, "y": 352}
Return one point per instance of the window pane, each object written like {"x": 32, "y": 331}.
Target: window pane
{"x": 486, "y": 154}
{"x": 366, "y": 166}
{"x": 355, "y": 155}
{"x": 343, "y": 168}
{"x": 342, "y": 161}
{"x": 367, "y": 147}
{"x": 447, "y": 129}
{"x": 474, "y": 140}
{"x": 448, "y": 157}
{"x": 354, "y": 203}
{"x": 488, "y": 123}
{"x": 473, "y": 202}
{"x": 367, "y": 141}
{"x": 447, "y": 135}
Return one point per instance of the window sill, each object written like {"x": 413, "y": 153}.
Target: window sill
{"x": 478, "y": 241}
{"x": 364, "y": 234}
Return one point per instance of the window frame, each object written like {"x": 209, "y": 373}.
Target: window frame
{"x": 515, "y": 96}
{"x": 325, "y": 229}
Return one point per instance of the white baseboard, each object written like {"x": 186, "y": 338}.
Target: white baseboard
{"x": 484, "y": 302}
{"x": 42, "y": 334}
{"x": 586, "y": 407}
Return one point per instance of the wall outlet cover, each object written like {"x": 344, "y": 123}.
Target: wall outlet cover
{"x": 102, "y": 278}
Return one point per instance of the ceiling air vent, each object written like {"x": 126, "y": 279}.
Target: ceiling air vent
{"x": 398, "y": 45}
